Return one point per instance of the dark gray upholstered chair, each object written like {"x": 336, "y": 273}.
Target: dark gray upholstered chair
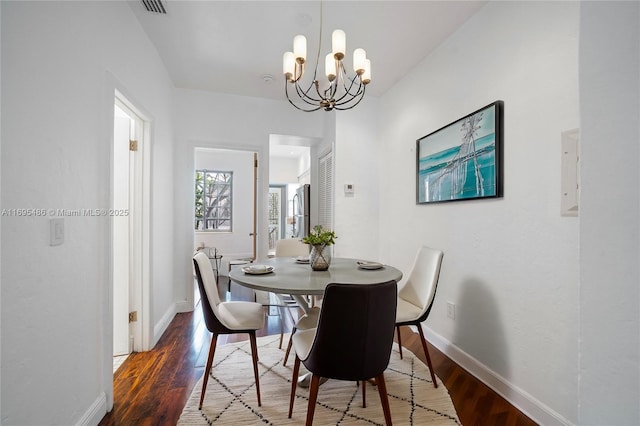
{"x": 225, "y": 317}
{"x": 416, "y": 296}
{"x": 352, "y": 342}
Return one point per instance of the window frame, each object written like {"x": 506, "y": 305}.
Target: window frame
{"x": 204, "y": 218}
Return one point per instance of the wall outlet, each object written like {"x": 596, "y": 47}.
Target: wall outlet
{"x": 451, "y": 310}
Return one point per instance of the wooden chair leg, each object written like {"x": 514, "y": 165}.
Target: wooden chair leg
{"x": 254, "y": 355}
{"x": 286, "y": 354}
{"x": 399, "y": 340}
{"x": 313, "y": 397}
{"x": 207, "y": 369}
{"x": 384, "y": 399}
{"x": 294, "y": 383}
{"x": 426, "y": 354}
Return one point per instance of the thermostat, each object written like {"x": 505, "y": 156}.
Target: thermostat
{"x": 348, "y": 188}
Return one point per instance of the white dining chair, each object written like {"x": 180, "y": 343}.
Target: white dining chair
{"x": 287, "y": 247}
{"x": 225, "y": 318}
{"x": 416, "y": 296}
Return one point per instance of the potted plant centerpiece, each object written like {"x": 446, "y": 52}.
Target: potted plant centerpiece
{"x": 320, "y": 239}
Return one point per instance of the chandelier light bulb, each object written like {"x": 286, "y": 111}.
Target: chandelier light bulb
{"x": 330, "y": 66}
{"x": 300, "y": 48}
{"x": 288, "y": 65}
{"x": 338, "y": 44}
{"x": 366, "y": 75}
{"x": 359, "y": 58}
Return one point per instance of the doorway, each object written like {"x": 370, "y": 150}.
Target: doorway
{"x": 225, "y": 219}
{"x": 129, "y": 242}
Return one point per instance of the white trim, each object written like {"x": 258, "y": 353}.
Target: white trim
{"x": 112, "y": 87}
{"x": 262, "y": 207}
{"x": 523, "y": 401}
{"x": 163, "y": 324}
{"x": 95, "y": 413}
{"x": 142, "y": 226}
{"x": 183, "y": 306}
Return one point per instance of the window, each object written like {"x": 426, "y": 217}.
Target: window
{"x": 213, "y": 200}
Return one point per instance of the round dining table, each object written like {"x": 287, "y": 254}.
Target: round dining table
{"x": 298, "y": 279}
{"x": 289, "y": 276}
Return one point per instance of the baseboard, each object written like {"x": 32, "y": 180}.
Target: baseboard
{"x": 163, "y": 324}
{"x": 523, "y": 401}
{"x": 183, "y": 306}
{"x": 95, "y": 413}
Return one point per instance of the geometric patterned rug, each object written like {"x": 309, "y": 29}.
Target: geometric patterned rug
{"x": 231, "y": 395}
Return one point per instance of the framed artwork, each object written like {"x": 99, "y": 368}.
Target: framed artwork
{"x": 462, "y": 160}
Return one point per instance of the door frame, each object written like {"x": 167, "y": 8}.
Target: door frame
{"x": 262, "y": 237}
{"x": 139, "y": 226}
{"x": 113, "y": 89}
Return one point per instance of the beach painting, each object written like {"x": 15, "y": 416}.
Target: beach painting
{"x": 462, "y": 160}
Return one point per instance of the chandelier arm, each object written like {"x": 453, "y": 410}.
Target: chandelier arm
{"x": 338, "y": 107}
{"x": 344, "y": 84}
{"x": 286, "y": 90}
{"x": 304, "y": 95}
{"x": 347, "y": 92}
{"x": 343, "y": 100}
{"x": 357, "y": 98}
{"x": 329, "y": 92}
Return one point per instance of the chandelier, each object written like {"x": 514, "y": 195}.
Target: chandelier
{"x": 338, "y": 91}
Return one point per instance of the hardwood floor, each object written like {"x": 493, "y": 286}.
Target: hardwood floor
{"x": 151, "y": 388}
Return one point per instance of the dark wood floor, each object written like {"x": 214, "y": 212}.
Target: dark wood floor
{"x": 151, "y": 388}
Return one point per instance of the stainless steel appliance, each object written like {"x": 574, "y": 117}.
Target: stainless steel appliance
{"x": 301, "y": 204}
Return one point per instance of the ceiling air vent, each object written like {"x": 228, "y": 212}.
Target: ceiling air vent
{"x": 154, "y": 6}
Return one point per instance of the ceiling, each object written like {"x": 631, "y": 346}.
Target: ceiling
{"x": 230, "y": 46}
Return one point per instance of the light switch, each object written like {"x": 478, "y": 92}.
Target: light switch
{"x": 570, "y": 177}
{"x": 56, "y": 231}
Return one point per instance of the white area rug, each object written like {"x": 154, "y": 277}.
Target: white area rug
{"x": 231, "y": 395}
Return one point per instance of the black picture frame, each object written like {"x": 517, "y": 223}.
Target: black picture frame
{"x": 462, "y": 160}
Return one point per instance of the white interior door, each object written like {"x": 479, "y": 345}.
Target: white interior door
{"x": 121, "y": 233}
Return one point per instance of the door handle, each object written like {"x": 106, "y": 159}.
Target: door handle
{"x": 251, "y": 234}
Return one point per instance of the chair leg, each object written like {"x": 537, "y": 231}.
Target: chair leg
{"x": 313, "y": 397}
{"x": 281, "y": 315}
{"x": 399, "y": 340}
{"x": 254, "y": 355}
{"x": 207, "y": 369}
{"x": 384, "y": 398}
{"x": 426, "y": 353}
{"x": 286, "y": 354}
{"x": 294, "y": 383}
{"x": 364, "y": 394}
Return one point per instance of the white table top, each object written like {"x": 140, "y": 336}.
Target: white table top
{"x": 289, "y": 277}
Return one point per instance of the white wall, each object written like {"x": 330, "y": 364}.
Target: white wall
{"x": 610, "y": 214}
{"x": 355, "y": 158}
{"x": 60, "y": 64}
{"x": 510, "y": 264}
{"x": 283, "y": 170}
{"x": 204, "y": 119}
